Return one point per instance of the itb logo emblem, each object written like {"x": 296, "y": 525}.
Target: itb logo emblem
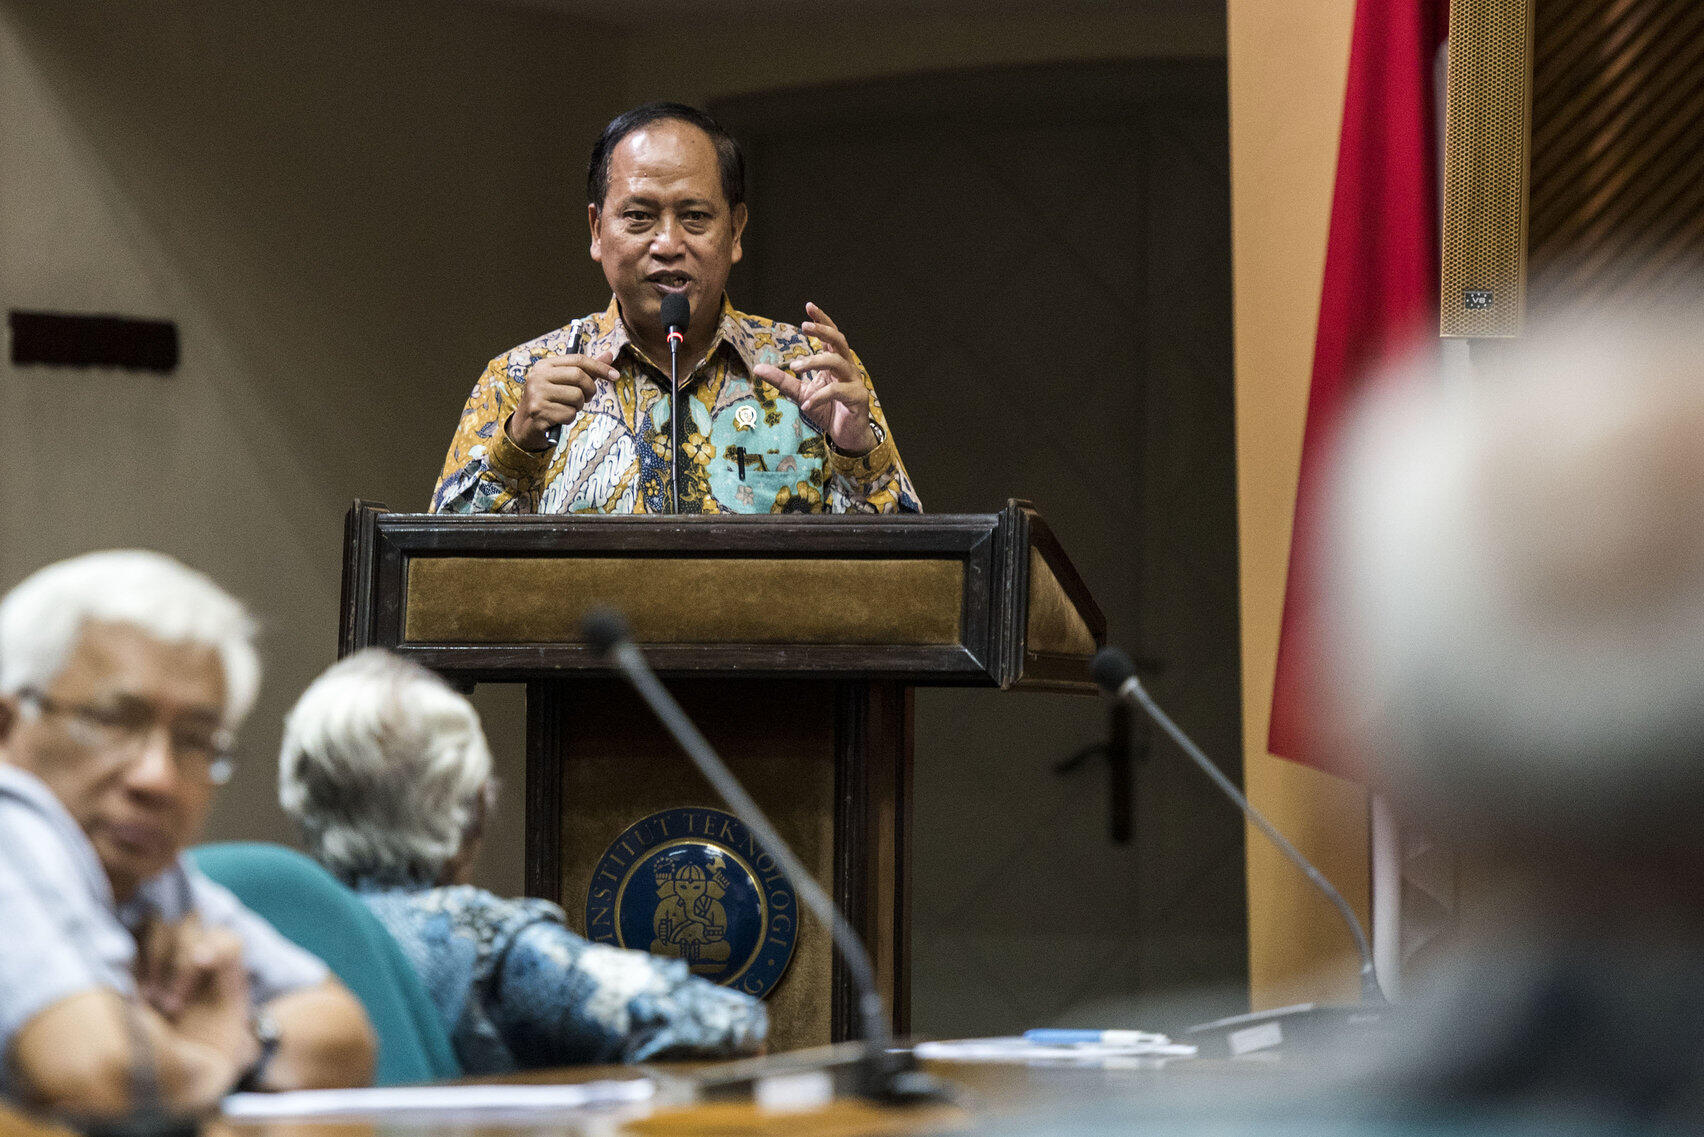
{"x": 695, "y": 885}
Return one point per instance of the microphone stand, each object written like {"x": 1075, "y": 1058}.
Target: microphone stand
{"x": 1116, "y": 675}
{"x": 882, "y": 1075}
{"x": 676, "y": 315}
{"x": 674, "y": 420}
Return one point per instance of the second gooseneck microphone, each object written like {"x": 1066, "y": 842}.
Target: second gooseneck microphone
{"x": 1116, "y": 675}
{"x": 676, "y": 314}
{"x": 882, "y": 1074}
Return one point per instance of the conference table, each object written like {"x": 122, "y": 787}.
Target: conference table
{"x": 982, "y": 1095}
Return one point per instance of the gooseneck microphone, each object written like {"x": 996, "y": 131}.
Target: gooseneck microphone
{"x": 1116, "y": 675}
{"x": 884, "y": 1076}
{"x": 676, "y": 315}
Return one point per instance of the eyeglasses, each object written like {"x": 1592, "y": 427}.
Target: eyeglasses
{"x": 201, "y": 753}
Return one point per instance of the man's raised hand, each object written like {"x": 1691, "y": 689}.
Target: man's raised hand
{"x": 827, "y": 386}
{"x": 557, "y": 387}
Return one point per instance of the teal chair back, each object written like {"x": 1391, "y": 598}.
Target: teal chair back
{"x": 314, "y": 910}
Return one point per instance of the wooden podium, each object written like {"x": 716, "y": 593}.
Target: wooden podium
{"x": 793, "y": 641}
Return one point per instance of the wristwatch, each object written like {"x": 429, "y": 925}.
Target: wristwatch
{"x": 266, "y": 1033}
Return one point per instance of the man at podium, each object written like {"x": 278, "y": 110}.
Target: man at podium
{"x": 773, "y": 418}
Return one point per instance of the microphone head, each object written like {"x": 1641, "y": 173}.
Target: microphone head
{"x": 604, "y": 628}
{"x": 1111, "y": 669}
{"x": 677, "y": 310}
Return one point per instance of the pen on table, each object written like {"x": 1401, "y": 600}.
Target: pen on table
{"x": 1047, "y": 1036}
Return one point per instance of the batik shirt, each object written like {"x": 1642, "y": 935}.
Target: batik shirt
{"x": 518, "y": 990}
{"x": 745, "y": 447}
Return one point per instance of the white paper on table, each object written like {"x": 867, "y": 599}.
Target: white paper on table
{"x": 1019, "y": 1049}
{"x": 437, "y": 1099}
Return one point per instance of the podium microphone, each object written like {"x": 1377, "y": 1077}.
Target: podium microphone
{"x": 676, "y": 315}
{"x": 1116, "y": 675}
{"x": 884, "y": 1076}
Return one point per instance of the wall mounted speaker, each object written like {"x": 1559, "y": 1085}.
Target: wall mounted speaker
{"x": 1573, "y": 157}
{"x": 1487, "y": 127}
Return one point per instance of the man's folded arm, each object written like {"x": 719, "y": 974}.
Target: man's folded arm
{"x": 75, "y": 1056}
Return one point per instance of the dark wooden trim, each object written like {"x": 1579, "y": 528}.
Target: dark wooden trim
{"x": 547, "y": 713}
{"x": 1041, "y": 536}
{"x": 902, "y": 804}
{"x": 355, "y": 604}
{"x": 709, "y": 535}
{"x": 889, "y": 795}
{"x": 390, "y": 579}
{"x": 872, "y": 768}
{"x": 1065, "y": 674}
{"x": 977, "y": 629}
{"x": 352, "y": 561}
{"x": 948, "y": 665}
{"x": 1021, "y": 529}
{"x": 852, "y": 852}
{"x": 1012, "y": 598}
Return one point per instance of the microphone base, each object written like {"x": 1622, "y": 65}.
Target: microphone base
{"x": 148, "y": 1124}
{"x": 853, "y": 1069}
{"x": 1305, "y": 1029}
{"x": 893, "y": 1078}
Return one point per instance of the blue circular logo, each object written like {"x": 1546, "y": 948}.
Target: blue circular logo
{"x": 694, "y": 884}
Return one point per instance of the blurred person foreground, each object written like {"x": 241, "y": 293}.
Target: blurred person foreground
{"x": 1515, "y": 596}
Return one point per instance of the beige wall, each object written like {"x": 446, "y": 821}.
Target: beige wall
{"x": 345, "y": 213}
{"x": 1288, "y": 64}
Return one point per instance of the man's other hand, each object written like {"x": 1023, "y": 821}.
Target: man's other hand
{"x": 326, "y": 1040}
{"x": 557, "y": 387}
{"x": 827, "y": 386}
{"x": 194, "y": 976}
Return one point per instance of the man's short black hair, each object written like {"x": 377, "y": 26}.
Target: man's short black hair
{"x": 729, "y": 158}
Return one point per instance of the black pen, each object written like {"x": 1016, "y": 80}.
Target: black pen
{"x": 554, "y": 434}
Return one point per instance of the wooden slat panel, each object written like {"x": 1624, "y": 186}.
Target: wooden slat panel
{"x": 1617, "y": 204}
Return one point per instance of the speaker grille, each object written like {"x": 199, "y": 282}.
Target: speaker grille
{"x": 1617, "y": 201}
{"x": 1485, "y": 168}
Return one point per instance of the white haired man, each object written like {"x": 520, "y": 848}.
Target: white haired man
{"x": 387, "y": 771}
{"x": 126, "y": 975}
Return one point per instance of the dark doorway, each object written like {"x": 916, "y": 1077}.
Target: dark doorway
{"x": 1034, "y": 264}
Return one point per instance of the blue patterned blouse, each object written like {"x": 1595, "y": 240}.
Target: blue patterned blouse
{"x": 519, "y": 990}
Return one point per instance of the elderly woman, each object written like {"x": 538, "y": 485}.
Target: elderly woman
{"x": 388, "y": 774}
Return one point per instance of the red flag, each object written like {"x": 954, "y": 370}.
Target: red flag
{"x": 1380, "y": 296}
